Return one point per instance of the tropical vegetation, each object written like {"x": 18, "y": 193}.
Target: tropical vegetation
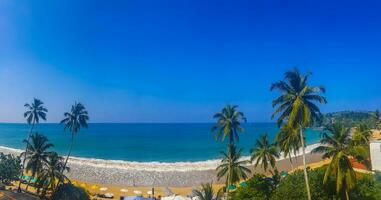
{"x": 10, "y": 168}
{"x": 74, "y": 121}
{"x": 296, "y": 107}
{"x": 264, "y": 153}
{"x": 206, "y": 192}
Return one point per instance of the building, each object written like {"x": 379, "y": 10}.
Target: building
{"x": 375, "y": 155}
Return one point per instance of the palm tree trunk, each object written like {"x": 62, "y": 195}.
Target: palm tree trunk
{"x": 290, "y": 158}
{"x": 346, "y": 194}
{"x": 27, "y": 185}
{"x": 68, "y": 155}
{"x": 304, "y": 164}
{"x": 26, "y": 149}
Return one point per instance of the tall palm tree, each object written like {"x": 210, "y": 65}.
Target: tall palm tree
{"x": 336, "y": 144}
{"x": 51, "y": 174}
{"x": 232, "y": 167}
{"x": 37, "y": 154}
{"x": 264, "y": 153}
{"x": 34, "y": 112}
{"x": 288, "y": 141}
{"x": 74, "y": 121}
{"x": 296, "y": 106}
{"x": 206, "y": 192}
{"x": 228, "y": 124}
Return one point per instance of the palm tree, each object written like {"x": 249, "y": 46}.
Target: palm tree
{"x": 51, "y": 174}
{"x": 232, "y": 167}
{"x": 264, "y": 153}
{"x": 288, "y": 141}
{"x": 206, "y": 192}
{"x": 74, "y": 120}
{"x": 37, "y": 154}
{"x": 336, "y": 144}
{"x": 228, "y": 124}
{"x": 362, "y": 134}
{"x": 34, "y": 112}
{"x": 296, "y": 106}
{"x": 377, "y": 117}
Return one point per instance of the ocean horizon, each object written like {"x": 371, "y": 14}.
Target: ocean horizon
{"x": 142, "y": 142}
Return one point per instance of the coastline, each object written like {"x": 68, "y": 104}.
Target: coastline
{"x": 176, "y": 174}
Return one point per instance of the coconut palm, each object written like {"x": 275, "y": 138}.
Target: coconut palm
{"x": 37, "y": 154}
{"x": 228, "y": 124}
{"x": 337, "y": 145}
{"x": 288, "y": 141}
{"x": 296, "y": 106}
{"x": 51, "y": 174}
{"x": 232, "y": 167}
{"x": 206, "y": 192}
{"x": 74, "y": 121}
{"x": 264, "y": 153}
{"x": 361, "y": 134}
{"x": 34, "y": 112}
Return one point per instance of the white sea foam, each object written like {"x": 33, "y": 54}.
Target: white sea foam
{"x": 147, "y": 166}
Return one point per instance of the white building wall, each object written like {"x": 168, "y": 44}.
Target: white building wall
{"x": 375, "y": 155}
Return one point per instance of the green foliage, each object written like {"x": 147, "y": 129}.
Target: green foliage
{"x": 10, "y": 167}
{"x": 264, "y": 153}
{"x": 293, "y": 187}
{"x": 257, "y": 188}
{"x": 206, "y": 192}
{"x": 69, "y": 192}
{"x": 367, "y": 188}
{"x": 231, "y": 166}
{"x": 352, "y": 118}
{"x": 228, "y": 124}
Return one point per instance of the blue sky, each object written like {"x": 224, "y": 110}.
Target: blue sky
{"x": 182, "y": 60}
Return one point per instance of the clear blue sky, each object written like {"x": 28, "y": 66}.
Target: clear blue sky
{"x": 182, "y": 60}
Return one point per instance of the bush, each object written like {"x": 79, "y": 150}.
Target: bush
{"x": 293, "y": 186}
{"x": 257, "y": 188}
{"x": 367, "y": 188}
{"x": 10, "y": 168}
{"x": 69, "y": 192}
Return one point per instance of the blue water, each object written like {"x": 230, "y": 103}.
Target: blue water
{"x": 141, "y": 142}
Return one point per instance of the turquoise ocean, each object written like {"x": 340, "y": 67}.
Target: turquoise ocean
{"x": 142, "y": 142}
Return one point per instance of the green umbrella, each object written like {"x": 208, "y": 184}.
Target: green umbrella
{"x": 284, "y": 174}
{"x": 232, "y": 187}
{"x": 243, "y": 184}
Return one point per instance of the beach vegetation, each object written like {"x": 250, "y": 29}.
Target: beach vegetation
{"x": 68, "y": 191}
{"x": 10, "y": 168}
{"x": 35, "y": 112}
{"x": 37, "y": 154}
{"x": 232, "y": 167}
{"x": 51, "y": 174}
{"x": 296, "y": 106}
{"x": 336, "y": 144}
{"x": 228, "y": 124}
{"x": 73, "y": 121}
{"x": 288, "y": 142}
{"x": 206, "y": 192}
{"x": 264, "y": 153}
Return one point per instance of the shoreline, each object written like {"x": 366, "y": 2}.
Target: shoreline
{"x": 159, "y": 174}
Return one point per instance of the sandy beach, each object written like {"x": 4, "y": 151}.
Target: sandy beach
{"x": 150, "y": 174}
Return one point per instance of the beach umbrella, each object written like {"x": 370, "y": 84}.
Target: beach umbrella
{"x": 109, "y": 195}
{"x": 243, "y": 184}
{"x": 284, "y": 173}
{"x": 123, "y": 190}
{"x": 137, "y": 192}
{"x": 103, "y": 189}
{"x": 232, "y": 187}
{"x": 149, "y": 192}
